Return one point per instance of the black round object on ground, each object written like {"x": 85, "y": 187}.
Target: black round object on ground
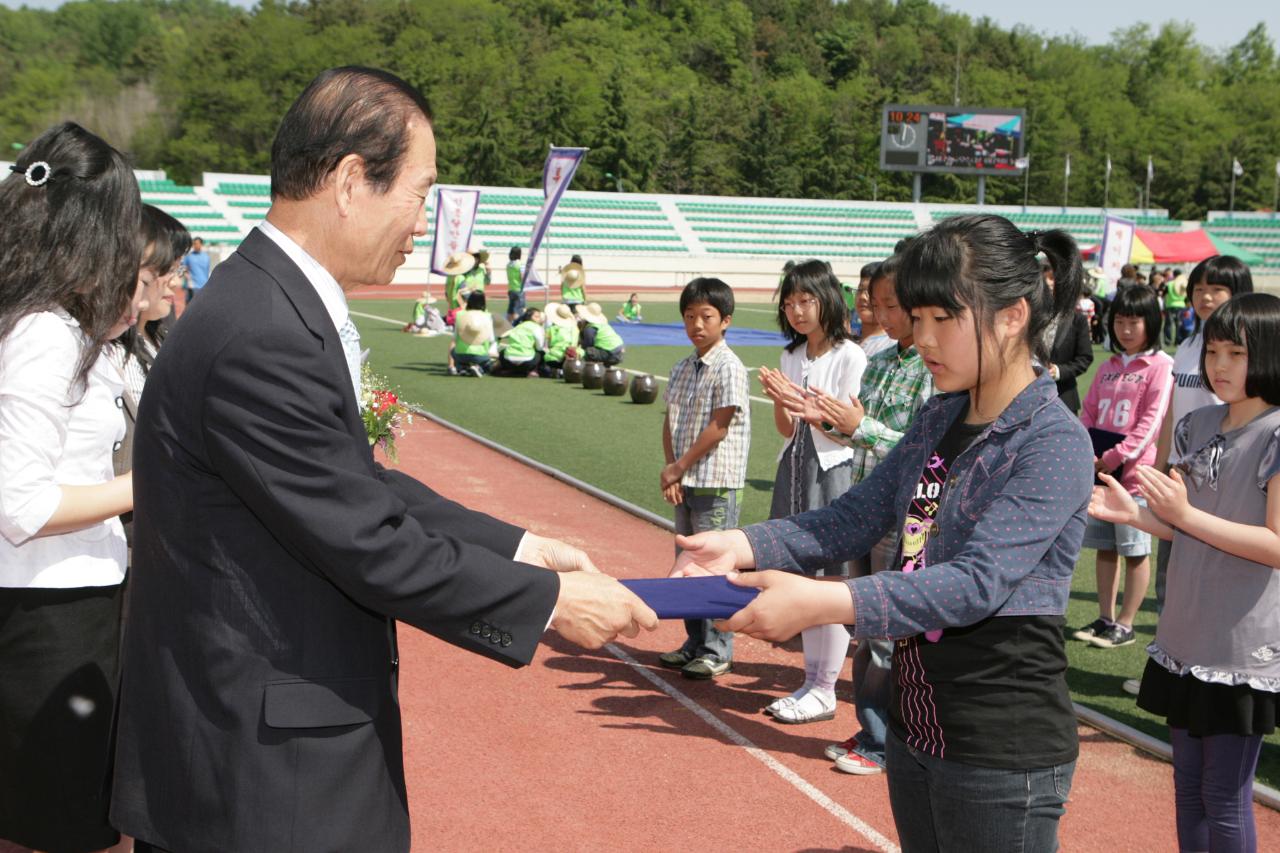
{"x": 593, "y": 375}
{"x": 615, "y": 382}
{"x": 644, "y": 389}
{"x": 572, "y": 370}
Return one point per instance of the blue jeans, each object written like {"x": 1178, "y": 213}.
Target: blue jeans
{"x": 872, "y": 677}
{"x": 941, "y": 805}
{"x": 702, "y": 510}
{"x": 515, "y": 304}
{"x": 1213, "y": 791}
{"x": 462, "y": 359}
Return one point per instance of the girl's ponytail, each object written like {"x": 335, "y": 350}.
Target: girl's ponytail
{"x": 1060, "y": 249}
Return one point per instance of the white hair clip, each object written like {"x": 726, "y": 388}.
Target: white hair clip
{"x": 36, "y": 174}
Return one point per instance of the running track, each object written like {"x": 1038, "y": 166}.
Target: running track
{"x": 606, "y": 751}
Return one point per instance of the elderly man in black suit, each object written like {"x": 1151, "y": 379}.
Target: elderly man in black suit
{"x": 272, "y": 557}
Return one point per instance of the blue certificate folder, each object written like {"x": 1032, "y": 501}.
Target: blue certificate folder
{"x": 692, "y": 598}
{"x": 1103, "y": 440}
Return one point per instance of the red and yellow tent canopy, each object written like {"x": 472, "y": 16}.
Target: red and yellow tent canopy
{"x": 1179, "y": 247}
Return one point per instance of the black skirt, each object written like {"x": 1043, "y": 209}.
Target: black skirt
{"x": 59, "y": 655}
{"x": 1205, "y": 709}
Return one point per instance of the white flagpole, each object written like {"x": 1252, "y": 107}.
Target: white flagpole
{"x": 1275, "y": 194}
{"x": 1146, "y": 203}
{"x": 1106, "y": 184}
{"x": 1026, "y": 182}
{"x": 1231, "y": 208}
{"x": 1066, "y": 181}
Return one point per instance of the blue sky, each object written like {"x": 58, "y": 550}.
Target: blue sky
{"x": 1218, "y": 24}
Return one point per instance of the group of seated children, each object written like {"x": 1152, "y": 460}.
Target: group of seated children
{"x": 536, "y": 345}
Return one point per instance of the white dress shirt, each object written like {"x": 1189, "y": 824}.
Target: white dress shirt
{"x": 326, "y": 286}
{"x": 46, "y": 443}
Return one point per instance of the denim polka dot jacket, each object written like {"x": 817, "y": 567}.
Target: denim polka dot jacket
{"x": 1008, "y": 530}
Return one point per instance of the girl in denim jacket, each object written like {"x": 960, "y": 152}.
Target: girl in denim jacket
{"x": 988, "y": 490}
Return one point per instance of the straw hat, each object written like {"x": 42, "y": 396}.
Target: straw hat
{"x": 1179, "y": 285}
{"x": 1096, "y": 273}
{"x": 459, "y": 263}
{"x": 472, "y": 326}
{"x": 591, "y": 313}
{"x": 427, "y": 298}
{"x": 562, "y": 316}
{"x": 572, "y": 275}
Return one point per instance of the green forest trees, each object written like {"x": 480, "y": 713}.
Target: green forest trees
{"x": 750, "y": 97}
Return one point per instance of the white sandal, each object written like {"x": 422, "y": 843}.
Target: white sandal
{"x": 813, "y": 707}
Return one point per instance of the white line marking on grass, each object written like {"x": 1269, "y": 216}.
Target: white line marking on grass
{"x": 755, "y": 310}
{"x": 376, "y": 317}
{"x": 833, "y": 808}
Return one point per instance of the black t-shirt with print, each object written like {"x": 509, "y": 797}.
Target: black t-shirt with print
{"x": 994, "y": 693}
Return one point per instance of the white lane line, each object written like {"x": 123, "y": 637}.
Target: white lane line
{"x": 755, "y": 310}
{"x": 629, "y": 370}
{"x": 376, "y": 317}
{"x": 833, "y": 808}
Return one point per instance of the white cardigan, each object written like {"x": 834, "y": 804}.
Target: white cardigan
{"x": 838, "y": 371}
{"x": 46, "y": 444}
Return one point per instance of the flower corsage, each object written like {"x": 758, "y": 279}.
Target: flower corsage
{"x": 385, "y": 414}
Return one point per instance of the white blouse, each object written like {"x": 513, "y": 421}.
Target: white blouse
{"x": 838, "y": 371}
{"x": 1189, "y": 391}
{"x": 46, "y": 444}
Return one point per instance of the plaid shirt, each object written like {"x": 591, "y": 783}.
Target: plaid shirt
{"x": 894, "y": 388}
{"x": 698, "y": 386}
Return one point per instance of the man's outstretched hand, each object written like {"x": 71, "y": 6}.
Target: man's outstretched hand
{"x": 593, "y": 609}
{"x": 554, "y": 554}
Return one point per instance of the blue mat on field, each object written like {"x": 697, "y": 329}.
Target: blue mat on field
{"x": 672, "y": 335}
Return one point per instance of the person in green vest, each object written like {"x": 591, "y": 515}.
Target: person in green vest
{"x": 455, "y": 268}
{"x": 599, "y": 340}
{"x": 473, "y": 339}
{"x": 562, "y": 334}
{"x": 1175, "y": 301}
{"x": 520, "y": 350}
{"x": 515, "y": 287}
{"x": 573, "y": 284}
{"x": 630, "y": 311}
{"x": 419, "y": 324}
{"x": 479, "y": 276}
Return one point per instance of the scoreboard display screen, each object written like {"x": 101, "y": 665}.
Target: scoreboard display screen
{"x": 959, "y": 140}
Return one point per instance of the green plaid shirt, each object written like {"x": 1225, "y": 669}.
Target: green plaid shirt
{"x": 894, "y": 387}
{"x": 698, "y": 386}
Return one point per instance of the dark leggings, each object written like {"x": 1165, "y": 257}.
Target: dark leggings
{"x": 1213, "y": 791}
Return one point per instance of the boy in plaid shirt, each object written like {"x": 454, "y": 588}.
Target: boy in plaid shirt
{"x": 894, "y": 387}
{"x": 705, "y": 437}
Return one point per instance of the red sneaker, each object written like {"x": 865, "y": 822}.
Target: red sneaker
{"x": 852, "y": 762}
{"x": 841, "y": 749}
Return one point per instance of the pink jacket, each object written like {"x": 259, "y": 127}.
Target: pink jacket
{"x": 1130, "y": 400}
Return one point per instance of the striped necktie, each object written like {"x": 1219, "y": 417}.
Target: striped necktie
{"x": 350, "y": 338}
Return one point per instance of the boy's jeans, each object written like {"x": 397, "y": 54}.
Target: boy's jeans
{"x": 702, "y": 510}
{"x": 872, "y": 671}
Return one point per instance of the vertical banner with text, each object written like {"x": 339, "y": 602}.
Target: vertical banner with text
{"x": 556, "y": 175}
{"x": 455, "y": 219}
{"x": 1117, "y": 246}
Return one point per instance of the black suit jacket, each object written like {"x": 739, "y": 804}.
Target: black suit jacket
{"x": 258, "y": 707}
{"x": 1073, "y": 353}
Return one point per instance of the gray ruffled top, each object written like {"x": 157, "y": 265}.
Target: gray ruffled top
{"x": 1221, "y": 619}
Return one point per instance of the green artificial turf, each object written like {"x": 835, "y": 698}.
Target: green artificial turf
{"x": 617, "y": 446}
